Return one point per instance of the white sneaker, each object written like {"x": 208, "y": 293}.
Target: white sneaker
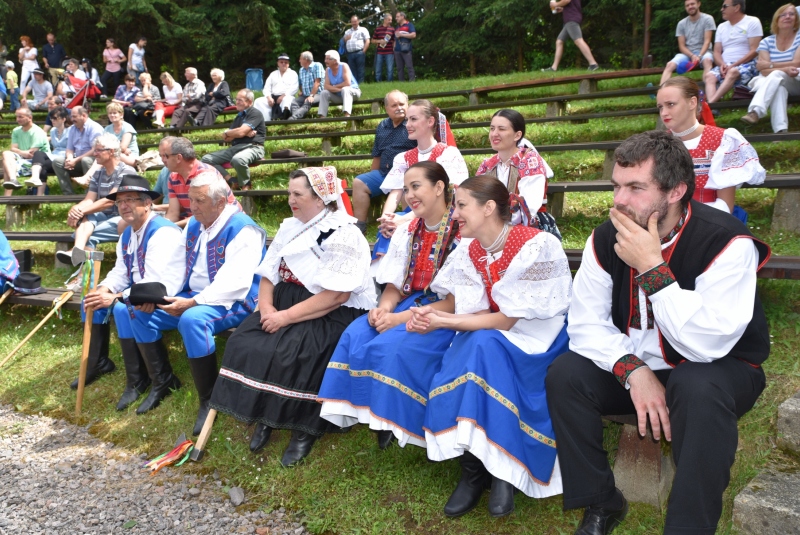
{"x": 33, "y": 182}
{"x": 11, "y": 184}
{"x": 65, "y": 257}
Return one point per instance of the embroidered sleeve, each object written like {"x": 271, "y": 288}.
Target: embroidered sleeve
{"x": 344, "y": 265}
{"x": 459, "y": 278}
{"x": 625, "y": 366}
{"x": 453, "y": 162}
{"x": 655, "y": 279}
{"x": 392, "y": 268}
{"x": 734, "y": 163}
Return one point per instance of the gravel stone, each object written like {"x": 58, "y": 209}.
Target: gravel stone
{"x": 237, "y": 496}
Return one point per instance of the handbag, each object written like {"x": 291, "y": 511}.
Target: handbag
{"x": 140, "y": 107}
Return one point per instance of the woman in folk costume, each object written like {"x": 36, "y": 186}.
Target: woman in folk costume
{"x": 723, "y": 158}
{"x": 487, "y": 405}
{"x": 315, "y": 282}
{"x": 428, "y": 127}
{"x": 379, "y": 374}
{"x": 521, "y": 169}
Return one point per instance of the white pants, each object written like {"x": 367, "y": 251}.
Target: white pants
{"x": 262, "y": 105}
{"x": 345, "y": 98}
{"x": 772, "y": 93}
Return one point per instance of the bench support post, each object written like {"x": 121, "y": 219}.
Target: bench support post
{"x": 785, "y": 215}
{"x": 587, "y": 86}
{"x": 555, "y": 109}
{"x": 474, "y": 99}
{"x": 608, "y": 165}
{"x": 17, "y": 214}
{"x": 63, "y": 246}
{"x": 642, "y": 472}
{"x": 355, "y": 125}
{"x": 555, "y": 204}
{"x": 328, "y": 143}
{"x": 376, "y": 108}
{"x": 248, "y": 204}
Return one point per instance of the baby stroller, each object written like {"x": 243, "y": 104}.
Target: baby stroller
{"x": 85, "y": 92}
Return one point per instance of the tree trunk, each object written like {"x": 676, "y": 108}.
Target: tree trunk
{"x": 472, "y": 65}
{"x": 520, "y": 54}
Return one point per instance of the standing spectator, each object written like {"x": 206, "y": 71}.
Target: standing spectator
{"x": 41, "y": 89}
{"x": 573, "y": 16}
{"x": 114, "y": 58}
{"x": 217, "y": 99}
{"x": 126, "y": 97}
{"x": 281, "y": 84}
{"x": 340, "y": 85}
{"x": 136, "y": 63}
{"x": 194, "y": 99}
{"x": 27, "y": 59}
{"x": 391, "y": 138}
{"x": 778, "y": 61}
{"x": 310, "y": 77}
{"x": 735, "y": 48}
{"x": 26, "y": 140}
{"x": 694, "y": 40}
{"x": 356, "y": 40}
{"x": 12, "y": 86}
{"x": 403, "y": 34}
{"x": 79, "y": 156}
{"x": 173, "y": 96}
{"x": 52, "y": 55}
{"x": 383, "y": 39}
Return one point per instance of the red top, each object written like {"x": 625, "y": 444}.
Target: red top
{"x": 424, "y": 267}
{"x": 710, "y": 141}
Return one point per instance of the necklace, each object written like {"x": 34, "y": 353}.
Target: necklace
{"x": 687, "y": 131}
{"x": 497, "y": 245}
{"x": 426, "y": 151}
{"x": 433, "y": 228}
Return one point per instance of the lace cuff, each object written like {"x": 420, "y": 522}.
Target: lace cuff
{"x": 625, "y": 366}
{"x": 655, "y": 279}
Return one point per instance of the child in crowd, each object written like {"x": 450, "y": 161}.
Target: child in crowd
{"x": 12, "y": 86}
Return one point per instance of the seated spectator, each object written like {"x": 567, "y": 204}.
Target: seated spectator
{"x": 26, "y": 140}
{"x": 310, "y": 79}
{"x": 9, "y": 267}
{"x": 126, "y": 97}
{"x": 220, "y": 291}
{"x": 779, "y": 64}
{"x": 41, "y": 89}
{"x": 42, "y": 162}
{"x": 194, "y": 99}
{"x": 173, "y": 97}
{"x": 146, "y": 100}
{"x": 124, "y": 132}
{"x": 735, "y": 48}
{"x": 52, "y": 104}
{"x": 95, "y": 218}
{"x": 65, "y": 88}
{"x": 179, "y": 157}
{"x": 90, "y": 72}
{"x": 79, "y": 156}
{"x": 217, "y": 99}
{"x": 391, "y": 138}
{"x": 246, "y": 136}
{"x": 161, "y": 203}
{"x": 280, "y": 87}
{"x": 340, "y": 86}
{"x": 694, "y": 35}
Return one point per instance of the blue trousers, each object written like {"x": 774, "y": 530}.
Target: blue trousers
{"x": 357, "y": 62}
{"x": 197, "y": 325}
{"x": 122, "y": 318}
{"x": 380, "y": 61}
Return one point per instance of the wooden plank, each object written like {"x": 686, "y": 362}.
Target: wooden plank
{"x": 41, "y": 199}
{"x": 543, "y": 82}
{"x": 45, "y": 299}
{"x": 39, "y": 236}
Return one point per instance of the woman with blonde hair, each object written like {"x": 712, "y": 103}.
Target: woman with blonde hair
{"x": 146, "y": 100}
{"x": 173, "y": 96}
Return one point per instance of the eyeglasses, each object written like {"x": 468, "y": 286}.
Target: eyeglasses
{"x": 724, "y": 7}
{"x": 129, "y": 202}
{"x": 101, "y": 150}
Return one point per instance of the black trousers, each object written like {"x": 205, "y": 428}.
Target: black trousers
{"x": 705, "y": 401}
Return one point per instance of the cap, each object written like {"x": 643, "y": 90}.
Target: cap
{"x": 10, "y": 64}
{"x": 283, "y": 55}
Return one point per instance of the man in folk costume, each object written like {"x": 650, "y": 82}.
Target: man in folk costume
{"x": 220, "y": 289}
{"x": 9, "y": 267}
{"x": 150, "y": 251}
{"x": 665, "y": 322}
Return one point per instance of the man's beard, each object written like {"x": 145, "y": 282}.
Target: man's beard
{"x": 660, "y": 205}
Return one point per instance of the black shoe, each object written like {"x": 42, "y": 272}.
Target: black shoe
{"x": 501, "y": 498}
{"x": 156, "y": 359}
{"x": 99, "y": 363}
{"x": 298, "y": 449}
{"x": 602, "y": 521}
{"x": 204, "y": 372}
{"x": 260, "y": 437}
{"x": 384, "y": 439}
{"x": 474, "y": 480}
{"x": 136, "y": 376}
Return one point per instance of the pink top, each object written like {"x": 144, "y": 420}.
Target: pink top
{"x": 111, "y": 54}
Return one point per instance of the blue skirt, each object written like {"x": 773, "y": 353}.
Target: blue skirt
{"x": 489, "y": 399}
{"x": 383, "y": 379}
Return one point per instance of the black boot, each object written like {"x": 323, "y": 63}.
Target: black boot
{"x": 384, "y": 439}
{"x": 260, "y": 437}
{"x": 156, "y": 359}
{"x": 474, "y": 479}
{"x": 299, "y": 447}
{"x": 99, "y": 363}
{"x": 204, "y": 373}
{"x": 501, "y": 498}
{"x": 135, "y": 372}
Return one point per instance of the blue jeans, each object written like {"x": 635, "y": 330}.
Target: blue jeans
{"x": 357, "y": 61}
{"x": 13, "y": 98}
{"x": 380, "y": 61}
{"x": 373, "y": 179}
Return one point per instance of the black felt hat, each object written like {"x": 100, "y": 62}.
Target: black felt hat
{"x": 134, "y": 184}
{"x": 143, "y": 293}
{"x": 28, "y": 283}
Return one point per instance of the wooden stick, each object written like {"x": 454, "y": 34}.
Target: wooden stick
{"x": 202, "y": 440}
{"x": 5, "y": 295}
{"x": 87, "y": 340}
{"x": 66, "y": 296}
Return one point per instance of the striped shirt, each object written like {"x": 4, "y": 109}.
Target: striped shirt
{"x": 308, "y": 75}
{"x": 179, "y": 188}
{"x": 769, "y": 44}
{"x": 382, "y": 32}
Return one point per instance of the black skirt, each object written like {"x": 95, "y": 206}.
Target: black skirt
{"x": 274, "y": 378}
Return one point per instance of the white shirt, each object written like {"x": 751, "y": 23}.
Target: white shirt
{"x": 451, "y": 160}
{"x": 702, "y": 325}
{"x": 359, "y": 36}
{"x": 173, "y": 96}
{"x": 734, "y": 39}
{"x": 165, "y": 261}
{"x": 287, "y": 84}
{"x": 234, "y": 278}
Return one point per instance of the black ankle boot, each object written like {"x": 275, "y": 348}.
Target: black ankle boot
{"x": 204, "y": 373}
{"x": 99, "y": 363}
{"x": 137, "y": 379}
{"x": 156, "y": 359}
{"x": 474, "y": 479}
{"x": 260, "y": 437}
{"x": 501, "y": 498}
{"x": 298, "y": 449}
{"x": 384, "y": 439}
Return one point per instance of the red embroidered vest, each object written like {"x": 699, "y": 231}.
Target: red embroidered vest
{"x": 710, "y": 141}
{"x": 412, "y": 156}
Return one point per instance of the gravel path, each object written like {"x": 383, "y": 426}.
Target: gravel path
{"x": 55, "y": 478}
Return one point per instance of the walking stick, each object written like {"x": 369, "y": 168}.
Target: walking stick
{"x": 96, "y": 257}
{"x": 5, "y": 295}
{"x": 200, "y": 445}
{"x": 66, "y": 296}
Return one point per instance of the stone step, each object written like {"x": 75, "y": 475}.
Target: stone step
{"x": 789, "y": 424}
{"x": 769, "y": 505}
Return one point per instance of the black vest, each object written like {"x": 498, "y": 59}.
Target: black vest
{"x": 705, "y": 235}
